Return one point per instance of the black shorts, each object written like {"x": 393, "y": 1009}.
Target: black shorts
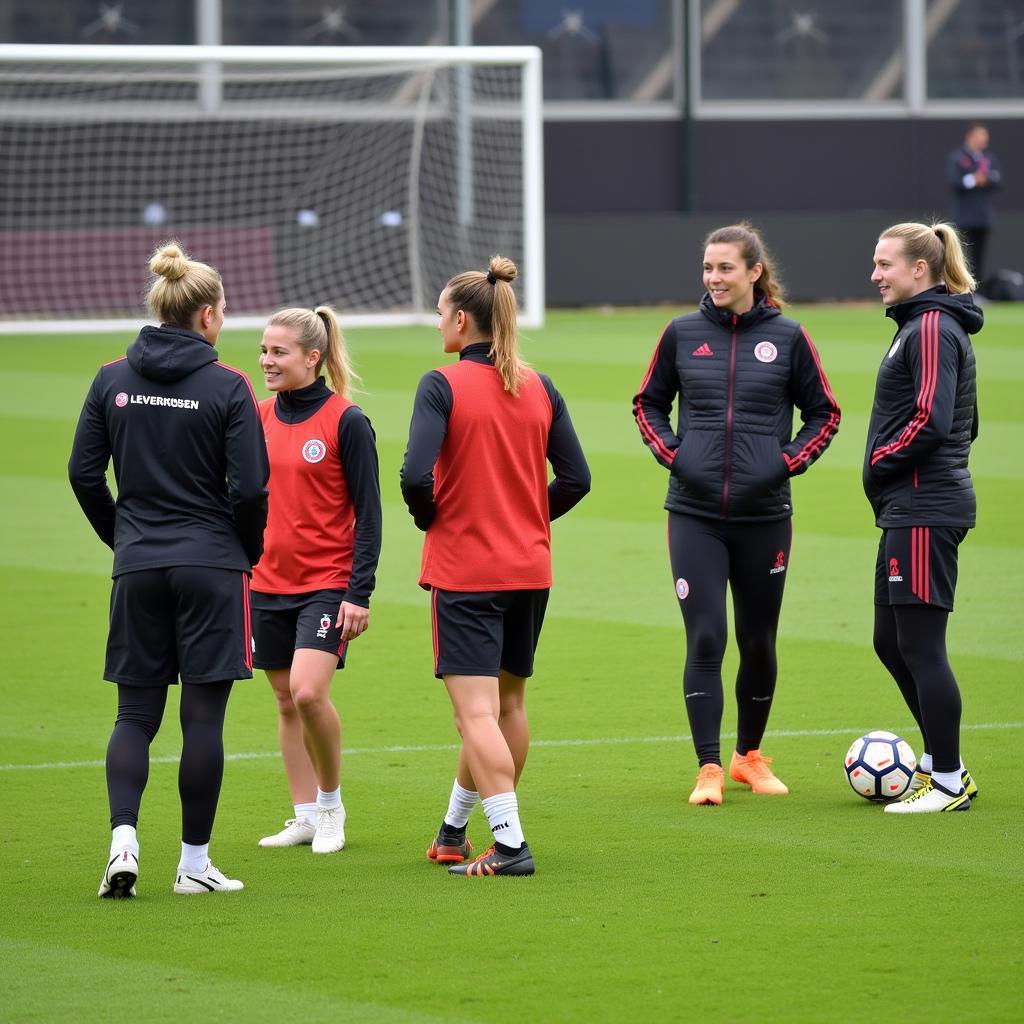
{"x": 186, "y": 620}
{"x": 918, "y": 565}
{"x": 483, "y": 633}
{"x": 284, "y": 623}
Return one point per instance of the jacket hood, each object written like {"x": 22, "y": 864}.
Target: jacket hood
{"x": 167, "y": 353}
{"x": 960, "y": 307}
{"x": 760, "y": 311}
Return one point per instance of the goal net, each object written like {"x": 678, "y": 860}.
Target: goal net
{"x": 363, "y": 177}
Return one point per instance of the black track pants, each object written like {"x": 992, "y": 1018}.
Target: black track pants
{"x": 140, "y": 710}
{"x": 910, "y": 641}
{"x": 753, "y": 559}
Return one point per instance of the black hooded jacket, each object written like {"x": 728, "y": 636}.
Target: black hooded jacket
{"x": 190, "y": 461}
{"x": 737, "y": 378}
{"x": 925, "y": 415}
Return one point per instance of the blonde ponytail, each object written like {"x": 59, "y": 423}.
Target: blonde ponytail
{"x": 319, "y": 329}
{"x": 939, "y": 245}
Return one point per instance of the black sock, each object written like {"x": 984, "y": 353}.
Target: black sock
{"x": 508, "y": 851}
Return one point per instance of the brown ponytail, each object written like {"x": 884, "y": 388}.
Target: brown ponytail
{"x": 491, "y": 302}
{"x": 752, "y": 250}
{"x": 319, "y": 329}
{"x": 939, "y": 245}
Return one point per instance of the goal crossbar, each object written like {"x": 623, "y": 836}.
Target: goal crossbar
{"x": 209, "y": 69}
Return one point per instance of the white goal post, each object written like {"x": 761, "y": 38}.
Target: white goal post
{"x": 363, "y": 177}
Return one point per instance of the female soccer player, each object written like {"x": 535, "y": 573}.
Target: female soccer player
{"x": 191, "y": 466}
{"x": 735, "y": 369}
{"x": 311, "y": 590}
{"x": 475, "y": 479}
{"x": 923, "y": 421}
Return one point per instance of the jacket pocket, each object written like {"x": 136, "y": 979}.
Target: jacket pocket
{"x": 758, "y": 468}
{"x": 700, "y": 463}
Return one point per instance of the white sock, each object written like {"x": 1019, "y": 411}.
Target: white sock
{"x": 122, "y": 836}
{"x": 306, "y": 812}
{"x": 948, "y": 780}
{"x": 925, "y": 764}
{"x": 328, "y": 800}
{"x": 502, "y": 812}
{"x": 460, "y": 806}
{"x": 194, "y": 858}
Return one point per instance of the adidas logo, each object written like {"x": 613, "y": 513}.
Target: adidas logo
{"x": 703, "y": 350}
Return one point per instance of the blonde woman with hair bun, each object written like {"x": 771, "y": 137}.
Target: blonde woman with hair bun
{"x": 184, "y": 435}
{"x": 924, "y": 419}
{"x": 475, "y": 479}
{"x": 311, "y": 590}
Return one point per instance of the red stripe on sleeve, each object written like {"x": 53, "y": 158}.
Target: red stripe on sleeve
{"x": 248, "y": 384}
{"x": 926, "y": 392}
{"x": 650, "y": 435}
{"x": 817, "y": 444}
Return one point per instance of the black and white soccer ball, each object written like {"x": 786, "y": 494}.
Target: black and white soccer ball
{"x": 880, "y": 765}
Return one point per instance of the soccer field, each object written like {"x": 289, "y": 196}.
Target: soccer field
{"x": 813, "y": 907}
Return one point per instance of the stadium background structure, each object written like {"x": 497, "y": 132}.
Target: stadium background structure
{"x": 663, "y": 118}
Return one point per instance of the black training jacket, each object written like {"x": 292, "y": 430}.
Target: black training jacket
{"x": 925, "y": 415}
{"x": 190, "y": 461}
{"x": 737, "y": 378}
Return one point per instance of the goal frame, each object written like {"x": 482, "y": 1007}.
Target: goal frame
{"x": 210, "y": 58}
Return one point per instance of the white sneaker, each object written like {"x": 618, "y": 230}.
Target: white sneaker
{"x": 119, "y": 879}
{"x": 296, "y": 832}
{"x": 929, "y": 800}
{"x": 330, "y": 830}
{"x": 198, "y": 883}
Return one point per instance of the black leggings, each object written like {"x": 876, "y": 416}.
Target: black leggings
{"x": 140, "y": 710}
{"x": 910, "y": 641}
{"x": 753, "y": 559}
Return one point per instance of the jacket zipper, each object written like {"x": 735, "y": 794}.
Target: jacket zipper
{"x": 728, "y": 418}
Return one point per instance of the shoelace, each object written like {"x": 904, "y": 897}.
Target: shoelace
{"x": 917, "y": 794}
{"x": 759, "y": 766}
{"x": 709, "y": 773}
{"x": 485, "y": 854}
{"x": 328, "y": 815}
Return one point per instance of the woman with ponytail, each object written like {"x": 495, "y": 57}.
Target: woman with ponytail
{"x": 183, "y": 432}
{"x": 923, "y": 422}
{"x": 475, "y": 480}
{"x": 735, "y": 370}
{"x": 311, "y": 590}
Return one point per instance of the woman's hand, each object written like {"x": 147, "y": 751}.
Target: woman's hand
{"x": 353, "y": 619}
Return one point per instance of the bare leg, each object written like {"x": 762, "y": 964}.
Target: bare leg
{"x": 477, "y": 707}
{"x": 297, "y": 765}
{"x": 310, "y": 681}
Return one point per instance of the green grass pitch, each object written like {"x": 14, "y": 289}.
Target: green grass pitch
{"x": 814, "y": 907}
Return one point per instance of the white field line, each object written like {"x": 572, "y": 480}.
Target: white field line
{"x": 604, "y": 741}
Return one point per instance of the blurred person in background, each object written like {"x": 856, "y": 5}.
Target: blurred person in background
{"x": 736, "y": 370}
{"x": 924, "y": 419}
{"x": 183, "y": 431}
{"x": 475, "y": 479}
{"x": 973, "y": 174}
{"x": 311, "y": 590}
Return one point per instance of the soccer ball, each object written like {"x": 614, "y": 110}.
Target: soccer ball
{"x": 880, "y": 765}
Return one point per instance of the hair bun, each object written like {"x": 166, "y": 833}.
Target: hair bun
{"x": 503, "y": 268}
{"x": 169, "y": 262}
